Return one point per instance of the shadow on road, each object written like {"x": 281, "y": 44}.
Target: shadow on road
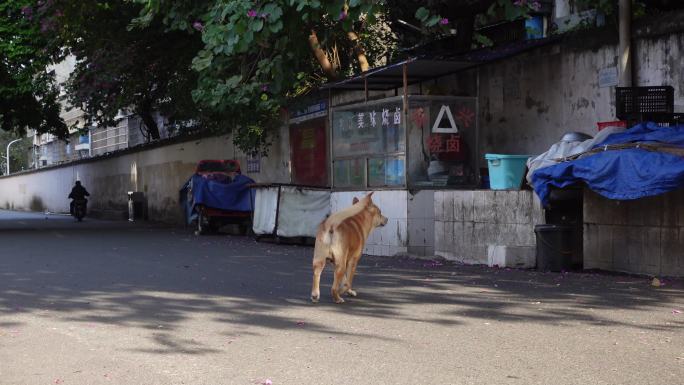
{"x": 155, "y": 278}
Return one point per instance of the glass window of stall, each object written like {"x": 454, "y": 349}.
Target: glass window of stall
{"x": 442, "y": 136}
{"x": 371, "y": 147}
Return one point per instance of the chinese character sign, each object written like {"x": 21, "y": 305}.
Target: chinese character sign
{"x": 385, "y": 117}
{"x": 371, "y": 116}
{"x": 440, "y": 143}
{"x": 368, "y": 130}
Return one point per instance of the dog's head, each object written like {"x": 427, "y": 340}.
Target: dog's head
{"x": 376, "y": 215}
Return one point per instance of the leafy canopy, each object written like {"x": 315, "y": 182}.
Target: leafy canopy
{"x": 28, "y": 93}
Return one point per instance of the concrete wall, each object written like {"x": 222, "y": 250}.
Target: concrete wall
{"x": 410, "y": 225}
{"x": 391, "y": 239}
{"x": 159, "y": 172}
{"x": 468, "y": 223}
{"x": 420, "y": 212}
{"x": 529, "y": 101}
{"x": 643, "y": 236}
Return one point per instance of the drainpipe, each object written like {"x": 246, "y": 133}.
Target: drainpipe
{"x": 625, "y": 48}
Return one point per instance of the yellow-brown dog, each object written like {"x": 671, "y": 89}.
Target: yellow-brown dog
{"x": 340, "y": 240}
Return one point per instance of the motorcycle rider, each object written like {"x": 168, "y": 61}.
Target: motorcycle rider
{"x": 78, "y": 192}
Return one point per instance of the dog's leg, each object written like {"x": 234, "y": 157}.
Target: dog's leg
{"x": 318, "y": 265}
{"x": 351, "y": 271}
{"x": 339, "y": 277}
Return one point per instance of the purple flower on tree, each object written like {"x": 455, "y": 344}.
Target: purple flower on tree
{"x": 519, "y": 3}
{"x": 343, "y": 15}
{"x": 27, "y": 11}
{"x": 252, "y": 13}
{"x": 198, "y": 26}
{"x": 264, "y": 87}
{"x": 444, "y": 21}
{"x": 535, "y": 6}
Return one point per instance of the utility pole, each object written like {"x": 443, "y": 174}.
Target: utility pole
{"x": 625, "y": 48}
{"x": 8, "y": 154}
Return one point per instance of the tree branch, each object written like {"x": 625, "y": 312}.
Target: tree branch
{"x": 359, "y": 51}
{"x": 328, "y": 68}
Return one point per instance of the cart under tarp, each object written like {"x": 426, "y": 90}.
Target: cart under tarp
{"x": 234, "y": 196}
{"x": 643, "y": 161}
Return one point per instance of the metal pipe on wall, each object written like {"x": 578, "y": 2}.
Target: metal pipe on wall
{"x": 625, "y": 47}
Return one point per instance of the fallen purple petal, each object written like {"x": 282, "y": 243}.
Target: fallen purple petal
{"x": 675, "y": 311}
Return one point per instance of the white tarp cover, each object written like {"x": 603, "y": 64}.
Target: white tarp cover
{"x": 301, "y": 211}
{"x": 564, "y": 149}
{"x": 265, "y": 206}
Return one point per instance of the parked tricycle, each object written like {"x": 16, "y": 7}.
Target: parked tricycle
{"x": 216, "y": 195}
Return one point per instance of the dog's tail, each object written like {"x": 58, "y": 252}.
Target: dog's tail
{"x": 328, "y": 232}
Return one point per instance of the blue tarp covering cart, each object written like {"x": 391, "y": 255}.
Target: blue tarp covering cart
{"x": 643, "y": 161}
{"x": 203, "y": 195}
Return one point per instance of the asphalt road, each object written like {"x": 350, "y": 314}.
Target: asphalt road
{"x": 119, "y": 303}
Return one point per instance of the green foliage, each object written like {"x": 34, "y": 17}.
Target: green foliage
{"x": 512, "y": 9}
{"x": 610, "y": 7}
{"x": 19, "y": 152}
{"x": 430, "y": 20}
{"x": 482, "y": 40}
{"x": 28, "y": 93}
{"x": 118, "y": 69}
{"x": 254, "y": 53}
{"x": 209, "y": 64}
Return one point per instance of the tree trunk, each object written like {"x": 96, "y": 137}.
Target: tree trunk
{"x": 327, "y": 66}
{"x": 464, "y": 37}
{"x": 145, "y": 113}
{"x": 359, "y": 51}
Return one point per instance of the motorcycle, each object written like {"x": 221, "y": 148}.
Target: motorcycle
{"x": 79, "y": 210}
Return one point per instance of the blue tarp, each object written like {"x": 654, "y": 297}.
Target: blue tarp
{"x": 621, "y": 174}
{"x": 234, "y": 196}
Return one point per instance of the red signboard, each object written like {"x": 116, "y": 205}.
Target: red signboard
{"x": 308, "y": 153}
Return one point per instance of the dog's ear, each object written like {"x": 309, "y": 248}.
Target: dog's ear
{"x": 370, "y": 194}
{"x": 355, "y": 200}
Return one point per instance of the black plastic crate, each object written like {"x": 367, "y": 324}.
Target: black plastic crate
{"x": 634, "y": 102}
{"x": 663, "y": 120}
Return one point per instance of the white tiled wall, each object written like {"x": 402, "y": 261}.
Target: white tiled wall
{"x": 421, "y": 223}
{"x": 410, "y": 226}
{"x": 392, "y": 239}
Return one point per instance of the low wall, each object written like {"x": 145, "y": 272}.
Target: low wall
{"x": 642, "y": 236}
{"x": 410, "y": 221}
{"x": 470, "y": 223}
{"x": 159, "y": 172}
{"x": 392, "y": 238}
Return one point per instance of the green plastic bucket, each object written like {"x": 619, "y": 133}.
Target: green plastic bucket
{"x": 506, "y": 171}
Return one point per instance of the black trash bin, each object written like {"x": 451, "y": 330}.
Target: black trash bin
{"x": 555, "y": 247}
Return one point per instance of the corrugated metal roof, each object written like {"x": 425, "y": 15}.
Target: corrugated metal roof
{"x": 423, "y": 68}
